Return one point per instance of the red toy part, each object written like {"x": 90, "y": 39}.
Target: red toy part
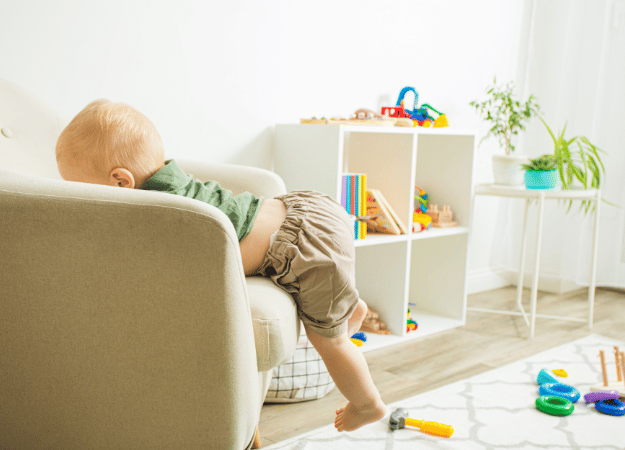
{"x": 394, "y": 111}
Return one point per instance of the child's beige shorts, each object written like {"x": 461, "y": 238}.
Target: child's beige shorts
{"x": 311, "y": 257}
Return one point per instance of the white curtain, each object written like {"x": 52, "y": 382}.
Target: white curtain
{"x": 575, "y": 66}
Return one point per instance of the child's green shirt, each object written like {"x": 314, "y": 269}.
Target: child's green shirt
{"x": 241, "y": 209}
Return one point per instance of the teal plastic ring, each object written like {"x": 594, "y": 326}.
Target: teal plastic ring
{"x": 559, "y": 390}
{"x": 554, "y": 405}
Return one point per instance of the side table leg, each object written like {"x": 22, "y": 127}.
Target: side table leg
{"x": 541, "y": 202}
{"x": 519, "y": 286}
{"x": 593, "y": 264}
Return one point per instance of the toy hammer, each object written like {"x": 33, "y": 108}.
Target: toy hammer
{"x": 399, "y": 419}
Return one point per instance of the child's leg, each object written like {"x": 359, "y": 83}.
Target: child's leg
{"x": 355, "y": 321}
{"x": 348, "y": 368}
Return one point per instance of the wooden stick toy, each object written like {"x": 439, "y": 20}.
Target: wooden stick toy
{"x": 623, "y": 368}
{"x": 619, "y": 383}
{"x": 618, "y": 366}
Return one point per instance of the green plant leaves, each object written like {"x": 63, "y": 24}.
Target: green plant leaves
{"x": 544, "y": 162}
{"x": 577, "y": 159}
{"x": 507, "y": 115}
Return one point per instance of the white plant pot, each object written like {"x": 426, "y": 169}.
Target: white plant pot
{"x": 507, "y": 169}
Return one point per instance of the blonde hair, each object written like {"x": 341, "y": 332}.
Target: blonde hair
{"x": 106, "y": 135}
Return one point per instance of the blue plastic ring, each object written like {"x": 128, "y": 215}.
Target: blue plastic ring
{"x": 611, "y": 407}
{"x": 559, "y": 390}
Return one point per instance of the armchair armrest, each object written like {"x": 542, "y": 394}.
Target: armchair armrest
{"x": 125, "y": 320}
{"x": 238, "y": 179}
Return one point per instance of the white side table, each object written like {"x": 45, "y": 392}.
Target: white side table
{"x": 541, "y": 195}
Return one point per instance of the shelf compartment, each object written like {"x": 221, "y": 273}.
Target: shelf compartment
{"x": 387, "y": 159}
{"x": 451, "y": 156}
{"x": 381, "y": 280}
{"x": 428, "y": 324}
{"x": 435, "y": 287}
{"x": 432, "y": 233}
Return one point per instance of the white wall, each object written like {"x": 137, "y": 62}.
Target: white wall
{"x": 216, "y": 76}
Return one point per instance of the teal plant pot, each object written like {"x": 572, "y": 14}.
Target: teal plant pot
{"x": 541, "y": 179}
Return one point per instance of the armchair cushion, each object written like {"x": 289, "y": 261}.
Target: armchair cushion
{"x": 275, "y": 320}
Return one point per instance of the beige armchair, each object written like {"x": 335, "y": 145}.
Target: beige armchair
{"x": 126, "y": 320}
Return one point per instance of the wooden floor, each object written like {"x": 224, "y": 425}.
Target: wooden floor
{"x": 486, "y": 341}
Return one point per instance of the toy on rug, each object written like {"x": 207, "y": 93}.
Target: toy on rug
{"x": 411, "y": 325}
{"x": 372, "y": 323}
{"x": 555, "y": 398}
{"x": 399, "y": 419}
{"x": 420, "y": 116}
{"x": 549, "y": 376}
{"x": 559, "y": 390}
{"x": 554, "y": 405}
{"x": 619, "y": 383}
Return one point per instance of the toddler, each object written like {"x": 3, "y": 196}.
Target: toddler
{"x": 302, "y": 241}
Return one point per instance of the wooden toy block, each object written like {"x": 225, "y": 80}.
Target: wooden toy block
{"x": 372, "y": 323}
{"x": 314, "y": 121}
{"x": 619, "y": 383}
{"x": 433, "y": 213}
{"x": 444, "y": 217}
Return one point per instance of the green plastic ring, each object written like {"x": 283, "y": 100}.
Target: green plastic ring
{"x": 556, "y": 406}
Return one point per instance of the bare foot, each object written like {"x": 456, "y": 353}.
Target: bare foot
{"x": 350, "y": 418}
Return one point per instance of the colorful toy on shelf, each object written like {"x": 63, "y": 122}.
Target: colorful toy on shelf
{"x": 420, "y": 220}
{"x": 420, "y": 116}
{"x": 618, "y": 384}
{"x": 359, "y": 339}
{"x": 356, "y": 342}
{"x": 361, "y": 336}
{"x": 411, "y": 325}
{"x": 422, "y": 198}
{"x": 368, "y": 116}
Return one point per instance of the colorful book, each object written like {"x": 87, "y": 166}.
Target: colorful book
{"x": 353, "y": 199}
{"x": 384, "y": 219}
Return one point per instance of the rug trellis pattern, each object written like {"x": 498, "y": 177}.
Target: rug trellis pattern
{"x": 494, "y": 410}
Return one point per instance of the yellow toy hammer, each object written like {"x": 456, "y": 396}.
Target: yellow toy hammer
{"x": 399, "y": 419}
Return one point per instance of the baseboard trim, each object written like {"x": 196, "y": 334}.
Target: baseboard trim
{"x": 490, "y": 278}
{"x": 487, "y": 279}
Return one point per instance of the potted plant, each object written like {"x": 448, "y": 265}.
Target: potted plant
{"x": 508, "y": 116}
{"x": 541, "y": 173}
{"x": 578, "y": 163}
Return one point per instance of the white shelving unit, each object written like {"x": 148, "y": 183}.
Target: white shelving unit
{"x": 427, "y": 268}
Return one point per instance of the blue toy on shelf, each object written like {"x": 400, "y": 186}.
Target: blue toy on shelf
{"x": 420, "y": 116}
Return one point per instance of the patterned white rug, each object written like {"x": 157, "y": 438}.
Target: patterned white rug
{"x": 495, "y": 410}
